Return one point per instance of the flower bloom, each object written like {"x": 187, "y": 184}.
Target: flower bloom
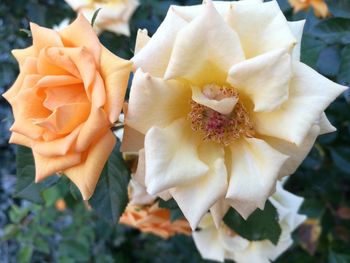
{"x": 319, "y": 6}
{"x": 225, "y": 105}
{"x": 223, "y": 243}
{"x": 114, "y": 14}
{"x": 144, "y": 214}
{"x": 69, "y": 92}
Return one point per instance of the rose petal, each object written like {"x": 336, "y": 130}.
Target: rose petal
{"x": 264, "y": 79}
{"x": 142, "y": 39}
{"x": 265, "y": 25}
{"x": 84, "y": 36}
{"x": 209, "y": 63}
{"x": 193, "y": 197}
{"x": 154, "y": 57}
{"x": 255, "y": 168}
{"x": 115, "y": 73}
{"x": 85, "y": 175}
{"x": 157, "y": 102}
{"x": 297, "y": 28}
{"x": 310, "y": 93}
{"x": 218, "y": 211}
{"x": 44, "y": 37}
{"x": 171, "y": 157}
{"x": 325, "y": 125}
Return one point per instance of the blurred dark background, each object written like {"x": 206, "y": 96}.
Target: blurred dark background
{"x": 32, "y": 232}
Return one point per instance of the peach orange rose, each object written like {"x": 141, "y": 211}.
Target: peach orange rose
{"x": 319, "y": 6}
{"x": 69, "y": 92}
{"x": 155, "y": 220}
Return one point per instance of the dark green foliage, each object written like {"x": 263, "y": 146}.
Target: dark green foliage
{"x": 260, "y": 225}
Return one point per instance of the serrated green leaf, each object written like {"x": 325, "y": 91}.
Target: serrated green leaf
{"x": 111, "y": 194}
{"x": 41, "y": 245}
{"x": 74, "y": 249}
{"x": 25, "y": 186}
{"x": 260, "y": 225}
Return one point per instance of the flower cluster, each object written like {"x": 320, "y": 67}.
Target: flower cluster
{"x": 220, "y": 109}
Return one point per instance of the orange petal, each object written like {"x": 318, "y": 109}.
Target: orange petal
{"x": 65, "y": 118}
{"x": 46, "y": 166}
{"x": 28, "y": 67}
{"x": 115, "y": 73}
{"x": 95, "y": 125}
{"x": 80, "y": 34}
{"x": 63, "y": 95}
{"x": 44, "y": 37}
{"x": 85, "y": 176}
{"x": 20, "y": 139}
{"x": 56, "y": 147}
{"x": 22, "y": 54}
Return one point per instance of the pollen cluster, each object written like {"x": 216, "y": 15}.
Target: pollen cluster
{"x": 220, "y": 128}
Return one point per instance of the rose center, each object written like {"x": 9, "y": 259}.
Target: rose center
{"x": 218, "y": 127}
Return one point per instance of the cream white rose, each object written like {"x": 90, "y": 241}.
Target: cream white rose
{"x": 114, "y": 15}
{"x": 225, "y": 105}
{"x": 222, "y": 243}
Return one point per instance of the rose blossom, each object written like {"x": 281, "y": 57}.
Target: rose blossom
{"x": 69, "y": 92}
{"x": 225, "y": 105}
{"x": 223, "y": 243}
{"x": 114, "y": 14}
{"x": 320, "y": 7}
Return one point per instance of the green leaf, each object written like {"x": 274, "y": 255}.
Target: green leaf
{"x": 95, "y": 16}
{"x": 310, "y": 50}
{"x": 74, "y": 249}
{"x": 10, "y": 231}
{"x": 111, "y": 194}
{"x": 17, "y": 214}
{"x": 333, "y": 30}
{"x": 344, "y": 69}
{"x": 25, "y": 186}
{"x": 261, "y": 224}
{"x": 28, "y": 32}
{"x": 41, "y": 245}
{"x": 25, "y": 254}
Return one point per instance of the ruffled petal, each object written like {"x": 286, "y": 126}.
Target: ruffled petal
{"x": 209, "y": 62}
{"x": 218, "y": 211}
{"x": 47, "y": 166}
{"x": 297, "y": 28}
{"x": 157, "y": 102}
{"x": 115, "y": 73}
{"x": 142, "y": 39}
{"x": 44, "y": 37}
{"x": 310, "y": 93}
{"x": 154, "y": 57}
{"x": 193, "y": 198}
{"x": 264, "y": 79}
{"x": 296, "y": 153}
{"x": 261, "y": 28}
{"x": 85, "y": 175}
{"x": 172, "y": 157}
{"x": 84, "y": 36}
{"x": 255, "y": 168}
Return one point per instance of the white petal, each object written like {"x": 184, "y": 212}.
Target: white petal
{"x": 264, "y": 79}
{"x": 224, "y": 106}
{"x": 205, "y": 49}
{"x": 287, "y": 205}
{"x": 154, "y": 57}
{"x": 195, "y": 198}
{"x": 142, "y": 39}
{"x": 218, "y": 211}
{"x": 261, "y": 28}
{"x": 296, "y": 153}
{"x": 255, "y": 168}
{"x": 310, "y": 93}
{"x": 139, "y": 195}
{"x": 171, "y": 157}
{"x": 297, "y": 28}
{"x": 156, "y": 102}
{"x": 208, "y": 244}
{"x": 325, "y": 125}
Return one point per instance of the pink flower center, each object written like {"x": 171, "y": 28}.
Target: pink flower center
{"x": 217, "y": 127}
